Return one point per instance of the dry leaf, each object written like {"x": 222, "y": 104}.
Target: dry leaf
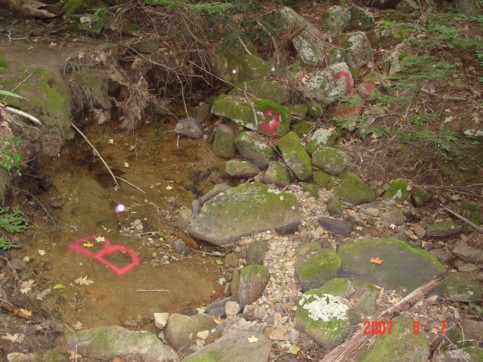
{"x": 14, "y": 338}
{"x": 24, "y": 313}
{"x": 88, "y": 245}
{"x": 42, "y": 252}
{"x": 43, "y": 294}
{"x": 83, "y": 281}
{"x": 252, "y": 339}
{"x": 100, "y": 239}
{"x": 377, "y": 260}
{"x": 74, "y": 356}
{"x": 77, "y": 325}
{"x": 27, "y": 286}
{"x": 218, "y": 319}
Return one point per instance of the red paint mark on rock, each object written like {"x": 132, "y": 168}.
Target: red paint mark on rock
{"x": 269, "y": 127}
{"x": 106, "y": 250}
{"x": 347, "y": 77}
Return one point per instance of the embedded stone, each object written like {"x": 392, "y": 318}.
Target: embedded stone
{"x": 277, "y": 174}
{"x": 223, "y": 145}
{"x": 358, "y": 49}
{"x": 353, "y": 190}
{"x": 329, "y": 84}
{"x": 237, "y": 168}
{"x": 335, "y": 20}
{"x": 397, "y": 192}
{"x": 295, "y": 156}
{"x": 331, "y": 160}
{"x": 254, "y": 148}
{"x": 253, "y": 279}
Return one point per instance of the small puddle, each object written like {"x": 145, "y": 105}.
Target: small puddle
{"x": 129, "y": 256}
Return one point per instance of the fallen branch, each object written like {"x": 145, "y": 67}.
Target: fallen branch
{"x": 347, "y": 349}
{"x": 23, "y": 114}
{"x": 461, "y": 217}
{"x": 96, "y": 152}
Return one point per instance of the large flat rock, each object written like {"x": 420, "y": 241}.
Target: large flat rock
{"x": 245, "y": 210}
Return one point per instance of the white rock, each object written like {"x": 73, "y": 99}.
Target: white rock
{"x": 160, "y": 320}
{"x": 232, "y": 308}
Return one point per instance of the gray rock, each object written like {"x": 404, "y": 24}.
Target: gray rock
{"x": 240, "y": 346}
{"x": 473, "y": 329}
{"x": 217, "y": 189}
{"x": 189, "y": 127}
{"x": 443, "y": 229}
{"x": 420, "y": 197}
{"x": 401, "y": 345}
{"x": 466, "y": 354}
{"x": 315, "y": 266}
{"x": 324, "y": 317}
{"x": 361, "y": 18}
{"x": 242, "y": 169}
{"x": 277, "y": 174}
{"x": 232, "y": 308}
{"x": 232, "y": 260}
{"x": 394, "y": 216}
{"x": 105, "y": 342}
{"x": 442, "y": 254}
{"x": 335, "y": 20}
{"x": 295, "y": 156}
{"x": 256, "y": 252}
{"x": 402, "y": 265}
{"x": 353, "y": 190}
{"x": 384, "y": 37}
{"x": 181, "y": 247}
{"x": 181, "y": 329}
{"x": 331, "y": 160}
{"x": 308, "y": 43}
{"x": 383, "y": 4}
{"x": 329, "y": 84}
{"x": 245, "y": 210}
{"x": 363, "y": 301}
{"x": 160, "y": 320}
{"x": 223, "y": 145}
{"x": 463, "y": 287}
{"x": 469, "y": 253}
{"x": 253, "y": 279}
{"x": 358, "y": 49}
{"x": 217, "y": 308}
{"x": 337, "y": 227}
{"x": 254, "y": 148}
{"x": 263, "y": 89}
{"x": 323, "y": 179}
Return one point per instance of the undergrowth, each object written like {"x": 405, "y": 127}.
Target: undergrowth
{"x": 12, "y": 221}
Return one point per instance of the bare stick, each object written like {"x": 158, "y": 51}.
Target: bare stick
{"x": 24, "y": 114}
{"x": 18, "y": 85}
{"x": 344, "y": 351}
{"x": 96, "y": 152}
{"x": 477, "y": 228}
{"x": 153, "y": 290}
{"x": 130, "y": 184}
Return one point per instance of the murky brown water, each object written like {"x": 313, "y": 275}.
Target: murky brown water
{"x": 82, "y": 201}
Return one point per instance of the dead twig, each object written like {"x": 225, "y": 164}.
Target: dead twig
{"x": 130, "y": 184}
{"x": 96, "y": 152}
{"x": 23, "y": 114}
{"x": 347, "y": 349}
{"x": 462, "y": 218}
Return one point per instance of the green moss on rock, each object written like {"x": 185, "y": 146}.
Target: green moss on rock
{"x": 353, "y": 190}
{"x": 295, "y": 156}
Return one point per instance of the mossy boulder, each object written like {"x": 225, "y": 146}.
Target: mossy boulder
{"x": 315, "y": 266}
{"x": 364, "y": 299}
{"x": 302, "y": 128}
{"x": 402, "y": 265}
{"x": 295, "y": 156}
{"x": 321, "y": 137}
{"x": 361, "y": 18}
{"x": 253, "y": 279}
{"x": 223, "y": 143}
{"x": 245, "y": 210}
{"x": 463, "y": 287}
{"x": 443, "y": 229}
{"x": 331, "y": 160}
{"x": 263, "y": 116}
{"x": 256, "y": 252}
{"x": 397, "y": 192}
{"x": 106, "y": 342}
{"x": 420, "y": 197}
{"x": 254, "y": 148}
{"x": 330, "y": 84}
{"x": 353, "y": 190}
{"x": 335, "y": 20}
{"x": 238, "y": 168}
{"x": 358, "y": 49}
{"x": 237, "y": 63}
{"x": 261, "y": 89}
{"x": 308, "y": 42}
{"x": 277, "y": 174}
{"x": 323, "y": 179}
{"x": 401, "y": 345}
{"x": 324, "y": 317}
{"x": 334, "y": 207}
{"x": 387, "y": 36}
{"x": 340, "y": 287}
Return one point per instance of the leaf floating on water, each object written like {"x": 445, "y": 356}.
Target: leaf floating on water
{"x": 377, "y": 260}
{"x": 58, "y": 286}
{"x": 252, "y": 339}
{"x": 100, "y": 239}
{"x": 83, "y": 281}
{"x": 27, "y": 286}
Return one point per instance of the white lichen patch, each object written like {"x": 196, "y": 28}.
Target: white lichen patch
{"x": 321, "y": 136}
{"x": 325, "y": 308}
{"x": 274, "y": 191}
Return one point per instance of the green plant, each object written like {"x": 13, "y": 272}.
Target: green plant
{"x": 13, "y": 221}
{"x": 6, "y": 244}
{"x": 212, "y": 8}
{"x": 10, "y": 155}
{"x": 446, "y": 142}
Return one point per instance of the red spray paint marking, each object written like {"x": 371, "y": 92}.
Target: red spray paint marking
{"x": 365, "y": 92}
{"x": 347, "y": 77}
{"x": 106, "y": 250}
{"x": 269, "y": 127}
